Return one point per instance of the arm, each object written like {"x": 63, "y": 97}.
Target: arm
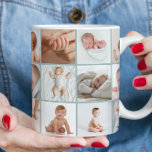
{"x": 84, "y": 89}
{"x": 35, "y": 108}
{"x": 51, "y": 75}
{"x": 68, "y": 75}
{"x": 67, "y": 127}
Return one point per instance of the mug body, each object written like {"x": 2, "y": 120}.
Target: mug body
{"x": 75, "y": 79}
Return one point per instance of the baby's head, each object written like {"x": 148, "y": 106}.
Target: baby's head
{"x": 87, "y": 40}
{"x": 58, "y": 70}
{"x": 98, "y": 81}
{"x": 33, "y": 41}
{"x": 95, "y": 112}
{"x": 60, "y": 111}
{"x": 35, "y": 75}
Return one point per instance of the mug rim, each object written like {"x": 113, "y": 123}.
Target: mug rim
{"x": 76, "y": 26}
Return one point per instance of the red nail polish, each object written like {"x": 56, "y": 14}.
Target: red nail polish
{"x": 98, "y": 144}
{"x": 142, "y": 65}
{"x": 6, "y": 121}
{"x": 140, "y": 82}
{"x": 137, "y": 48}
{"x": 76, "y": 145}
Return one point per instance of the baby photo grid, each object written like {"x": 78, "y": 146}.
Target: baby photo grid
{"x": 75, "y": 81}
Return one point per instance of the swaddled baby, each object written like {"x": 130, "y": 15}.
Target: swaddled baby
{"x": 88, "y": 86}
{"x": 89, "y": 42}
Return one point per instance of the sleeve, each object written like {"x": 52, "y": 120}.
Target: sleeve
{"x": 84, "y": 89}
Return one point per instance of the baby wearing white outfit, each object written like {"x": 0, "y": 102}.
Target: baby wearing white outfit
{"x": 59, "y": 81}
{"x": 88, "y": 86}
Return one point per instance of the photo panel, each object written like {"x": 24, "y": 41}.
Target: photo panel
{"x": 115, "y": 45}
{"x": 35, "y": 45}
{"x": 58, "y": 119}
{"x": 115, "y": 81}
{"x": 36, "y": 84}
{"x": 36, "y": 114}
{"x": 58, "y": 46}
{"x": 95, "y": 119}
{"x": 94, "y": 83}
{"x": 93, "y": 46}
{"x": 58, "y": 83}
{"x": 116, "y": 115}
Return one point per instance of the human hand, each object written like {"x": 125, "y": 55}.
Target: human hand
{"x": 143, "y": 52}
{"x": 17, "y": 135}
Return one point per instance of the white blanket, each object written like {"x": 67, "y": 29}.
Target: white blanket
{"x": 48, "y": 84}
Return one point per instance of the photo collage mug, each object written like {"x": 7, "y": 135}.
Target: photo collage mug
{"x": 75, "y": 79}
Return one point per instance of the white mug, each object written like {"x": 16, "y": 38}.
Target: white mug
{"x": 75, "y": 80}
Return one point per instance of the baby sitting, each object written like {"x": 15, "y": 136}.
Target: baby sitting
{"x": 59, "y": 80}
{"x": 59, "y": 121}
{"x": 94, "y": 125}
{"x": 88, "y": 86}
{"x": 89, "y": 42}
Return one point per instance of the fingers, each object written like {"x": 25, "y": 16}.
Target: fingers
{"x": 145, "y": 64}
{"x": 39, "y": 141}
{"x": 8, "y": 120}
{"x": 60, "y": 43}
{"x": 142, "y": 47}
{"x": 70, "y": 36}
{"x": 143, "y": 82}
{"x": 71, "y": 48}
{"x": 100, "y": 141}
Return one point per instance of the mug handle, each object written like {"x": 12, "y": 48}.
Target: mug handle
{"x": 147, "y": 109}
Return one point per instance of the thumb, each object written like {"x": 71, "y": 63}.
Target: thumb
{"x": 8, "y": 120}
{"x": 133, "y": 33}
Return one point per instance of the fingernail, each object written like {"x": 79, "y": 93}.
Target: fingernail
{"x": 137, "y": 48}
{"x": 6, "y": 121}
{"x": 140, "y": 82}
{"x": 76, "y": 145}
{"x": 142, "y": 65}
{"x": 98, "y": 144}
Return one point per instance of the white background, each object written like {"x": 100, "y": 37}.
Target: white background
{"x": 85, "y": 115}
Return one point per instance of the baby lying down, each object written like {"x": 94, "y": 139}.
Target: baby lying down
{"x": 88, "y": 86}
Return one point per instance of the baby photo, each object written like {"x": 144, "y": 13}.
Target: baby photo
{"x": 58, "y": 83}
{"x": 94, "y": 83}
{"x": 35, "y": 81}
{"x": 116, "y": 115}
{"x": 58, "y": 119}
{"x": 93, "y": 46}
{"x": 36, "y": 114}
{"x": 115, "y": 46}
{"x": 58, "y": 46}
{"x": 115, "y": 82}
{"x": 35, "y": 45}
{"x": 96, "y": 120}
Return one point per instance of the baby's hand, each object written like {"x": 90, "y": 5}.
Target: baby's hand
{"x": 60, "y": 43}
{"x": 70, "y": 132}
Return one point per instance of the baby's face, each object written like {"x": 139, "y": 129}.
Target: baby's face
{"x": 97, "y": 82}
{"x": 96, "y": 113}
{"x": 88, "y": 42}
{"x": 58, "y": 71}
{"x": 60, "y": 113}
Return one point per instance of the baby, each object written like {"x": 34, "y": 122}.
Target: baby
{"x": 35, "y": 57}
{"x": 88, "y": 86}
{"x": 59, "y": 121}
{"x": 89, "y": 42}
{"x": 94, "y": 125}
{"x": 35, "y": 81}
{"x": 59, "y": 80}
